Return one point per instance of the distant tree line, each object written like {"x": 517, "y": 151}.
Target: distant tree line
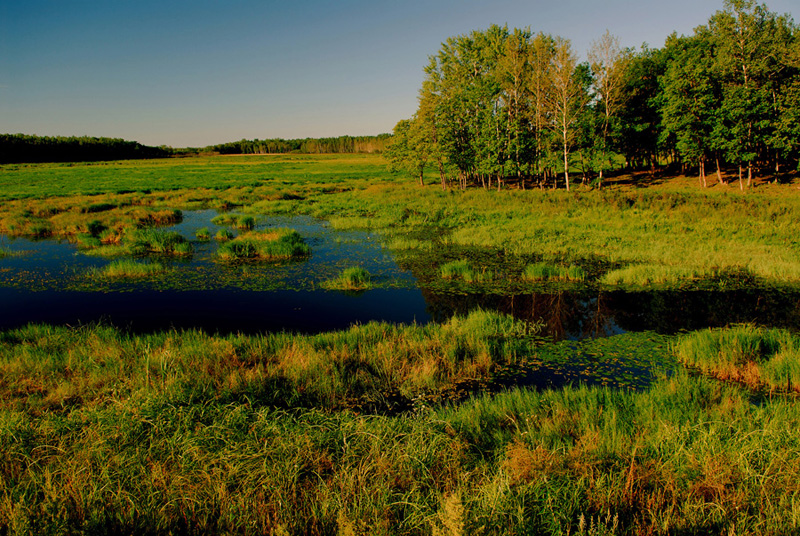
{"x": 341, "y": 144}
{"x": 16, "y": 148}
{"x": 500, "y": 105}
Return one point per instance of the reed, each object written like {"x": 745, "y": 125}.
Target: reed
{"x": 758, "y": 357}
{"x": 127, "y": 268}
{"x": 203, "y": 234}
{"x": 549, "y": 272}
{"x": 462, "y": 269}
{"x": 273, "y": 244}
{"x": 354, "y": 278}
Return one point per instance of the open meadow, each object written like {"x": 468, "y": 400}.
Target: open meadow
{"x": 615, "y": 360}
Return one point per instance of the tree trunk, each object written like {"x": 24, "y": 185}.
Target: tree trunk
{"x": 741, "y": 184}
{"x": 719, "y": 173}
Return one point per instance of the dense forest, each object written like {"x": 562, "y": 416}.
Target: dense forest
{"x": 500, "y": 105}
{"x": 15, "y": 148}
{"x": 341, "y": 144}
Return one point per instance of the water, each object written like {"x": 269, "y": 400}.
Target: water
{"x": 51, "y": 283}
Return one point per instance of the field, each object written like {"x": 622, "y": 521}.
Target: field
{"x": 407, "y": 429}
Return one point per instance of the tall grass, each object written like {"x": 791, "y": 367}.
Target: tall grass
{"x": 462, "y": 269}
{"x": 354, "y": 278}
{"x": 273, "y": 244}
{"x": 545, "y": 272}
{"x": 127, "y": 268}
{"x": 758, "y": 357}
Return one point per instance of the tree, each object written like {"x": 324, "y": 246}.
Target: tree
{"x": 608, "y": 63}
{"x": 565, "y": 98}
{"x": 409, "y": 150}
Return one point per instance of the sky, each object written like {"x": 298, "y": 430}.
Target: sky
{"x": 202, "y": 72}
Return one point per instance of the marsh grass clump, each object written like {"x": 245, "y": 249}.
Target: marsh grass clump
{"x": 127, "y": 268}
{"x": 758, "y": 357}
{"x": 223, "y": 235}
{"x": 158, "y": 241}
{"x": 548, "y": 272}
{"x": 463, "y": 270}
{"x": 273, "y": 244}
{"x": 647, "y": 275}
{"x": 203, "y": 234}
{"x": 239, "y": 221}
{"x": 354, "y": 278}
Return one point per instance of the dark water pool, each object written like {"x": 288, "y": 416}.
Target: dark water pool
{"x": 51, "y": 282}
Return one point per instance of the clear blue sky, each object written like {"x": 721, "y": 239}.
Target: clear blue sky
{"x": 195, "y": 73}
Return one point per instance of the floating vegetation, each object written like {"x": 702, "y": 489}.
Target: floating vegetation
{"x": 352, "y": 279}
{"x": 127, "y": 268}
{"x": 463, "y": 270}
{"x": 5, "y": 252}
{"x": 548, "y": 272}
{"x": 273, "y": 244}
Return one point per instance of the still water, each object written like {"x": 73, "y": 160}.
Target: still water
{"x": 50, "y": 282}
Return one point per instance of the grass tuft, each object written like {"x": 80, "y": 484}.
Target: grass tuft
{"x": 126, "y": 268}
{"x": 352, "y": 279}
{"x": 273, "y": 244}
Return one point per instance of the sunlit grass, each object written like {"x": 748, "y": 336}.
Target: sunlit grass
{"x": 272, "y": 244}
{"x": 463, "y": 270}
{"x": 546, "y": 272}
{"x": 354, "y": 278}
{"x": 127, "y": 268}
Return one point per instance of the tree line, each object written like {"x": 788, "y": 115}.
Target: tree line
{"x": 17, "y": 148}
{"x": 340, "y": 144}
{"x": 500, "y": 104}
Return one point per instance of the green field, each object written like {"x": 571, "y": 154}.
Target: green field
{"x": 386, "y": 429}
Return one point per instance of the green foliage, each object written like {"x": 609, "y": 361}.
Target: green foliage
{"x": 463, "y": 270}
{"x": 354, "y": 278}
{"x": 544, "y": 271}
{"x": 203, "y": 234}
{"x": 756, "y": 356}
{"x": 273, "y": 244}
{"x": 126, "y": 268}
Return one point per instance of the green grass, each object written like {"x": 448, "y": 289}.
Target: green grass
{"x": 203, "y": 234}
{"x": 158, "y": 241}
{"x": 354, "y": 279}
{"x": 463, "y": 270}
{"x": 128, "y": 269}
{"x": 670, "y": 234}
{"x": 184, "y": 432}
{"x": 758, "y": 357}
{"x": 239, "y": 221}
{"x": 223, "y": 235}
{"x": 272, "y": 244}
{"x": 547, "y": 272}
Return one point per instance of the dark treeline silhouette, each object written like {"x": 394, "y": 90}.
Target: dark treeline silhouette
{"x": 509, "y": 105}
{"x": 341, "y": 144}
{"x": 17, "y": 148}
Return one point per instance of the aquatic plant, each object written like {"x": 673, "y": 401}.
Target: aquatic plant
{"x": 544, "y": 271}
{"x": 127, "y": 268}
{"x": 239, "y": 221}
{"x": 273, "y": 244}
{"x": 223, "y": 235}
{"x": 203, "y": 234}
{"x": 354, "y": 278}
{"x": 158, "y": 241}
{"x": 758, "y": 357}
{"x": 462, "y": 269}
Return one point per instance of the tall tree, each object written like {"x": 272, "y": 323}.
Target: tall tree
{"x": 608, "y": 62}
{"x": 565, "y": 98}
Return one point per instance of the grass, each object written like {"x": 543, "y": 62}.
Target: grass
{"x": 203, "y": 234}
{"x": 671, "y": 233}
{"x": 548, "y": 272}
{"x": 463, "y": 270}
{"x": 184, "y": 432}
{"x": 239, "y": 221}
{"x": 127, "y": 268}
{"x": 5, "y": 252}
{"x": 273, "y": 244}
{"x": 758, "y": 357}
{"x": 158, "y": 241}
{"x": 352, "y": 279}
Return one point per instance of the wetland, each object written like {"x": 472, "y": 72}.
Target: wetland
{"x": 306, "y": 344}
